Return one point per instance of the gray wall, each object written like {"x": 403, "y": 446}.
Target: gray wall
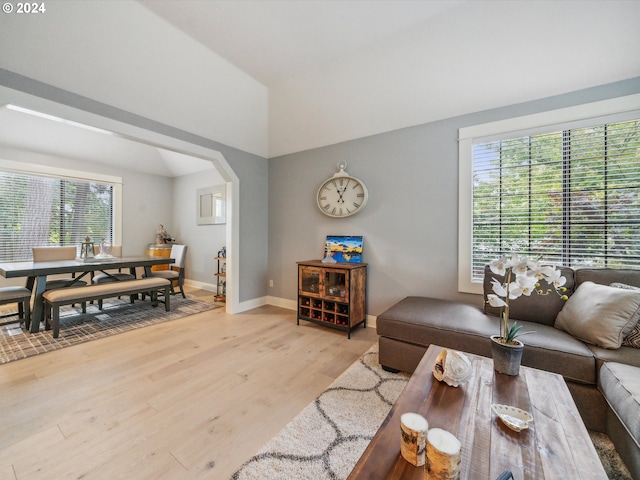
{"x": 410, "y": 224}
{"x": 203, "y": 241}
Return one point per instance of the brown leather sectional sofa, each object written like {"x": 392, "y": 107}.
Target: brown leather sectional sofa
{"x": 605, "y": 383}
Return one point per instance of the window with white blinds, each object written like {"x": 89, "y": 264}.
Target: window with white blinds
{"x": 562, "y": 186}
{"x": 569, "y": 197}
{"x": 39, "y": 209}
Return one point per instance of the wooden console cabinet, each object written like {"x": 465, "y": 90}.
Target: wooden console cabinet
{"x": 332, "y": 294}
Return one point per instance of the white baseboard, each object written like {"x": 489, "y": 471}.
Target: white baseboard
{"x": 282, "y": 302}
{"x": 209, "y": 287}
{"x": 242, "y": 306}
{"x": 250, "y": 304}
{"x": 266, "y": 300}
{"x": 371, "y": 321}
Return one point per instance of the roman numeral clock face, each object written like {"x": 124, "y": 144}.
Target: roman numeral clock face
{"x": 342, "y": 195}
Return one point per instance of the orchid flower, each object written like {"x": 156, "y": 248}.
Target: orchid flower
{"x": 541, "y": 272}
{"x": 521, "y": 276}
{"x": 519, "y": 266}
{"x": 495, "y": 301}
{"x": 526, "y": 284}
{"x": 536, "y": 270}
{"x": 514, "y": 290}
{"x": 556, "y": 279}
{"x": 498, "y": 288}
{"x": 499, "y": 266}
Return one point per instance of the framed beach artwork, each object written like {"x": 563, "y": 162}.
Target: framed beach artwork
{"x": 345, "y": 248}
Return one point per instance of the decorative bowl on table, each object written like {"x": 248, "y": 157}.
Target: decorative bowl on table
{"x": 514, "y": 418}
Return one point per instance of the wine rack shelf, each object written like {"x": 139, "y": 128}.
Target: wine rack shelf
{"x": 333, "y": 295}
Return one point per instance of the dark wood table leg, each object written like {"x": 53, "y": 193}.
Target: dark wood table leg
{"x": 38, "y": 304}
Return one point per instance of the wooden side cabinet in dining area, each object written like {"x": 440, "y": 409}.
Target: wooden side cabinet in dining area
{"x": 159, "y": 250}
{"x": 332, "y": 294}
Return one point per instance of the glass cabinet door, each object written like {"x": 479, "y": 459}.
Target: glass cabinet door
{"x": 310, "y": 280}
{"x": 335, "y": 284}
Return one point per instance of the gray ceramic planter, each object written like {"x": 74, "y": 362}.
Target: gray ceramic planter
{"x": 506, "y": 358}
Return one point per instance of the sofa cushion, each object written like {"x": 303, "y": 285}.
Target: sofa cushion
{"x": 416, "y": 319}
{"x": 534, "y": 308}
{"x": 423, "y": 321}
{"x": 620, "y": 385}
{"x": 553, "y": 350}
{"x": 606, "y": 276}
{"x": 600, "y": 314}
{"x": 626, "y": 355}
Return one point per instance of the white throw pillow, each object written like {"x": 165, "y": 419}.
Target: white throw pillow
{"x": 600, "y": 314}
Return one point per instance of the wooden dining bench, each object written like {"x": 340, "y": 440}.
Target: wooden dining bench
{"x": 54, "y": 299}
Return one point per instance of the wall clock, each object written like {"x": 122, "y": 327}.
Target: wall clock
{"x": 342, "y": 195}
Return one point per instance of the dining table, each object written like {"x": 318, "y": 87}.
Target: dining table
{"x": 36, "y": 274}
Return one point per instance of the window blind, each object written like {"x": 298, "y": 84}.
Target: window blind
{"x": 39, "y": 210}
{"x": 569, "y": 197}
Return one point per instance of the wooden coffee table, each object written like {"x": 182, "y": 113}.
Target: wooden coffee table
{"x": 556, "y": 445}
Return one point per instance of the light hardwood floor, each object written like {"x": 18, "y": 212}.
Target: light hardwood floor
{"x": 192, "y": 398}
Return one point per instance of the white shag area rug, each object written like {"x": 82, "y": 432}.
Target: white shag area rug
{"x": 325, "y": 441}
{"x": 327, "y": 438}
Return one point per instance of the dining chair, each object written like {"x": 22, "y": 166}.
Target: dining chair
{"x": 21, "y": 296}
{"x": 52, "y": 254}
{"x": 176, "y": 270}
{"x": 108, "y": 276}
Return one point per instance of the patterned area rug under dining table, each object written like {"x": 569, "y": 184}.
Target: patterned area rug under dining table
{"x": 117, "y": 316}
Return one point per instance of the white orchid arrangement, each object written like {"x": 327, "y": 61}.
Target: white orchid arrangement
{"x": 521, "y": 277}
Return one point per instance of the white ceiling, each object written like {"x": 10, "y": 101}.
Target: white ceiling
{"x": 275, "y": 40}
{"x": 46, "y": 136}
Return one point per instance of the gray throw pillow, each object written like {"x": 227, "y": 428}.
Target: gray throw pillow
{"x": 633, "y": 339}
{"x": 600, "y": 314}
